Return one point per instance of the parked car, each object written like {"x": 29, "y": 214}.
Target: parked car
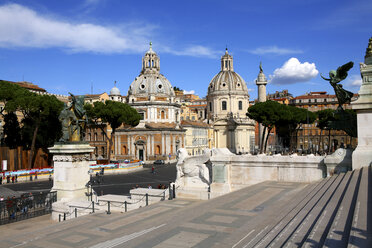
{"x": 159, "y": 161}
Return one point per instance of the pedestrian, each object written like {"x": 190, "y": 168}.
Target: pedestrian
{"x": 13, "y": 179}
{"x": 7, "y": 179}
{"x": 16, "y": 178}
{"x": 150, "y": 187}
{"x": 35, "y": 175}
{"x": 1, "y": 179}
{"x": 50, "y": 177}
{"x": 153, "y": 170}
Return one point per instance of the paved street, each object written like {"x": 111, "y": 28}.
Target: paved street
{"x": 113, "y": 184}
{"x": 221, "y": 222}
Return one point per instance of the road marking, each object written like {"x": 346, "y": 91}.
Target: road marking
{"x": 243, "y": 238}
{"x": 118, "y": 241}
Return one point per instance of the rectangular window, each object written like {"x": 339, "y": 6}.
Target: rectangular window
{"x": 224, "y": 105}
{"x": 240, "y": 105}
{"x": 142, "y": 115}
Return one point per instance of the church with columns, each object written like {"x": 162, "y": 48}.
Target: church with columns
{"x": 228, "y": 101}
{"x": 159, "y": 134}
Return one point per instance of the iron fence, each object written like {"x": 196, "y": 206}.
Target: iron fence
{"x": 27, "y": 206}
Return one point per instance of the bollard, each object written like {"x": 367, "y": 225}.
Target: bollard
{"x": 59, "y": 218}
{"x": 147, "y": 199}
{"x": 174, "y": 191}
{"x": 170, "y": 192}
{"x": 64, "y": 216}
{"x": 92, "y": 206}
{"x": 125, "y": 205}
{"x": 108, "y": 208}
{"x": 75, "y": 212}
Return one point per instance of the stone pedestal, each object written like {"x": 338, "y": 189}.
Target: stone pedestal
{"x": 362, "y": 156}
{"x": 71, "y": 174}
{"x": 71, "y": 170}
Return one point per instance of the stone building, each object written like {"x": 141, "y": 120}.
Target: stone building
{"x": 158, "y": 135}
{"x": 227, "y": 104}
{"x": 310, "y": 137}
{"x": 197, "y": 136}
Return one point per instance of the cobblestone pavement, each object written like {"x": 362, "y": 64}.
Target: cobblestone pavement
{"x": 226, "y": 221}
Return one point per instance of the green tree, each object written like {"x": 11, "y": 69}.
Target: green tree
{"x": 39, "y": 112}
{"x": 268, "y": 114}
{"x": 113, "y": 113}
{"x": 12, "y": 131}
{"x": 295, "y": 119}
{"x": 175, "y": 88}
{"x": 325, "y": 116}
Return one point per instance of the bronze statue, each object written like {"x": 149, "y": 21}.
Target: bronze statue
{"x": 74, "y": 120}
{"x": 344, "y": 120}
{"x": 343, "y": 96}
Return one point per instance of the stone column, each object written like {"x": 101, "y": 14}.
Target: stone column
{"x": 362, "y": 155}
{"x": 261, "y": 82}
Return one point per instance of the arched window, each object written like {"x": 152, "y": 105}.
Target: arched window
{"x": 224, "y": 105}
{"x": 124, "y": 150}
{"x": 103, "y": 151}
{"x": 157, "y": 151}
{"x": 162, "y": 114}
{"x": 210, "y": 106}
{"x": 240, "y": 105}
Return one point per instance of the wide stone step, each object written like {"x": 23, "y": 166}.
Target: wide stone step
{"x": 264, "y": 238}
{"x": 338, "y": 234}
{"x": 360, "y": 235}
{"x": 289, "y": 224}
{"x": 302, "y": 231}
{"x": 320, "y": 229}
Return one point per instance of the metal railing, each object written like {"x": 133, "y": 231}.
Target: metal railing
{"x": 27, "y": 206}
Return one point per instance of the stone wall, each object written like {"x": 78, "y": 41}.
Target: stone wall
{"x": 232, "y": 172}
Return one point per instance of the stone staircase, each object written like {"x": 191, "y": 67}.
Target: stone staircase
{"x": 330, "y": 213}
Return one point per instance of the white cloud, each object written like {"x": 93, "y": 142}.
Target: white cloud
{"x": 274, "y": 50}
{"x": 195, "y": 51}
{"x": 24, "y": 27}
{"x": 294, "y": 72}
{"x": 354, "y": 81}
{"x": 250, "y": 89}
{"x": 188, "y": 92}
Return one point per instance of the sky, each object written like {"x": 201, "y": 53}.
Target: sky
{"x": 83, "y": 47}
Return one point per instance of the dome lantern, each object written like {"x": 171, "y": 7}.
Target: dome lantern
{"x": 150, "y": 61}
{"x": 227, "y": 62}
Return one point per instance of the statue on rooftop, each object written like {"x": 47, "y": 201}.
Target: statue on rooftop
{"x": 335, "y": 77}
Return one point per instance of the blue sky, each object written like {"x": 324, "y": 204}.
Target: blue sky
{"x": 73, "y": 45}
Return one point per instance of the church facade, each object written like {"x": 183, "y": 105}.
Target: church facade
{"x": 159, "y": 134}
{"x": 227, "y": 104}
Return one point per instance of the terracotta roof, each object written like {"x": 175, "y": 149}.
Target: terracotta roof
{"x": 194, "y": 123}
{"x": 26, "y": 85}
{"x": 160, "y": 125}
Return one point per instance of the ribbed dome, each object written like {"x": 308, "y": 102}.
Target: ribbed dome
{"x": 114, "y": 91}
{"x": 150, "y": 81}
{"x": 227, "y": 81}
{"x": 151, "y": 84}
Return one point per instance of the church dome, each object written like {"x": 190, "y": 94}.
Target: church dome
{"x": 115, "y": 91}
{"x": 151, "y": 81}
{"x": 227, "y": 80}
